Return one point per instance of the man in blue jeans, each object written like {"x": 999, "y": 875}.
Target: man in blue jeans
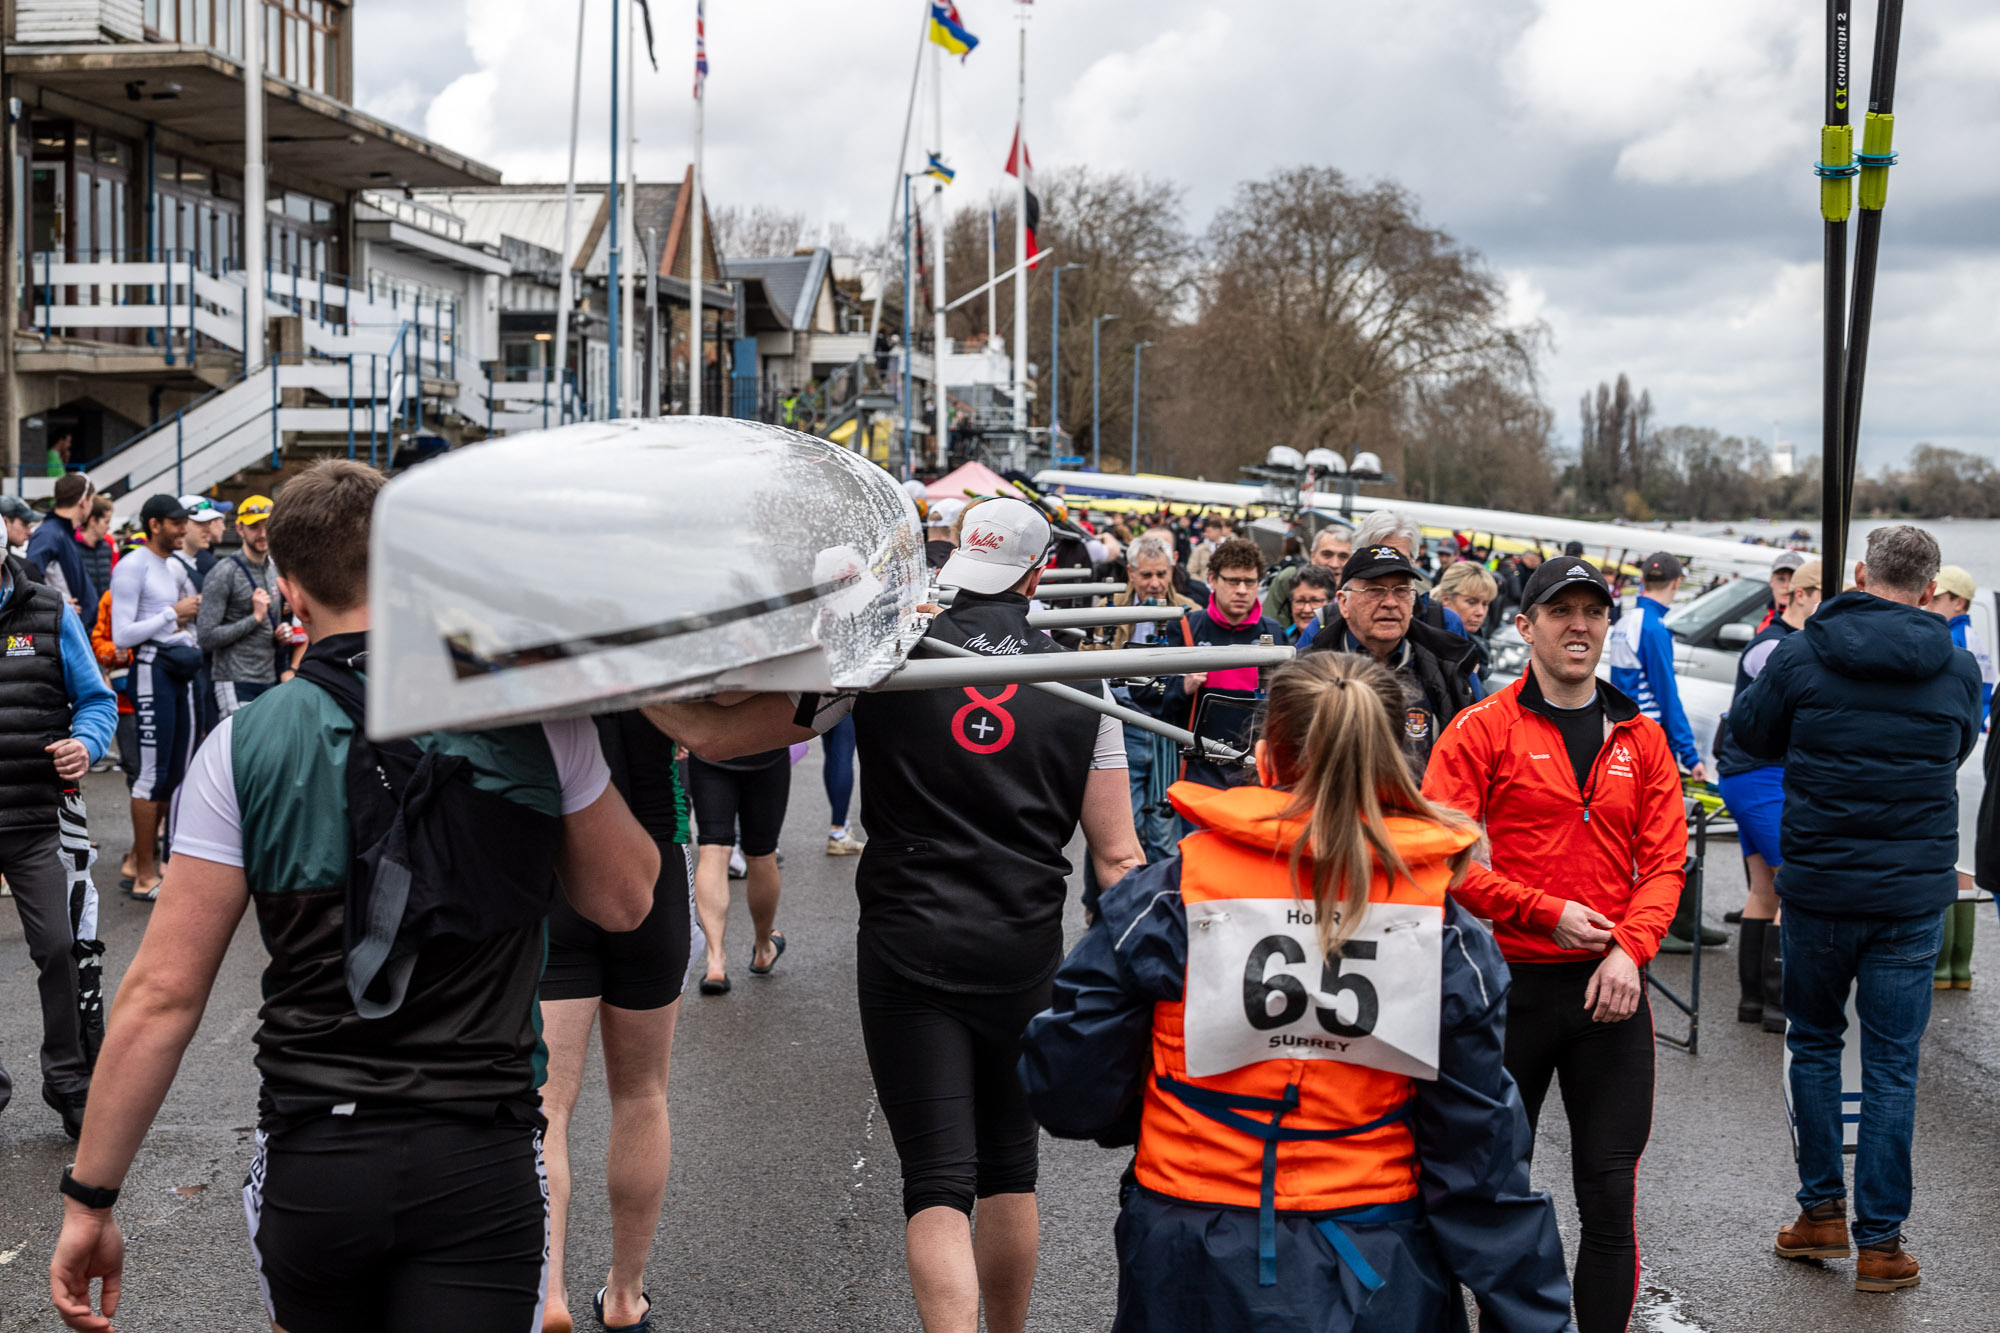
{"x": 1872, "y": 708}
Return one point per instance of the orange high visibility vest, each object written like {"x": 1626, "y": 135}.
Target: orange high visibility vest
{"x": 1307, "y": 1135}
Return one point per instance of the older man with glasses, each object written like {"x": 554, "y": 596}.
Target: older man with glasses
{"x": 1374, "y": 613}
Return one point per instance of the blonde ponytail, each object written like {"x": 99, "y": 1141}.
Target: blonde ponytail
{"x": 1330, "y": 736}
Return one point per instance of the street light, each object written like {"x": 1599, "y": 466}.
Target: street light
{"x": 1055, "y": 357}
{"x": 1137, "y": 351}
{"x": 1096, "y": 459}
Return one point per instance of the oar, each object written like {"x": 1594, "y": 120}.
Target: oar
{"x": 1836, "y": 170}
{"x": 1875, "y": 159}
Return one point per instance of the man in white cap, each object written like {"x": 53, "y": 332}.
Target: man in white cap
{"x": 972, "y": 794}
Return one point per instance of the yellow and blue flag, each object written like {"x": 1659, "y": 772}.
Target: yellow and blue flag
{"x": 948, "y": 30}
{"x": 938, "y": 169}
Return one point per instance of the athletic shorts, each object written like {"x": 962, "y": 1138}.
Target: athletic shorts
{"x": 1757, "y": 800}
{"x": 943, "y": 1063}
{"x": 165, "y": 711}
{"x": 634, "y": 969}
{"x": 400, "y": 1222}
{"x": 729, "y": 799}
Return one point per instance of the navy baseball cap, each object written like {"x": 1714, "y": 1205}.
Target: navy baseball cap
{"x": 1559, "y": 575}
{"x": 162, "y": 506}
{"x": 1372, "y": 562}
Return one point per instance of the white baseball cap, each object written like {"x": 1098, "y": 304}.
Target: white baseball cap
{"x": 945, "y": 512}
{"x": 1002, "y": 540}
{"x": 200, "y": 508}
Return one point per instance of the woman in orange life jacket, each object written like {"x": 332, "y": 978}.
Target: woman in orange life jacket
{"x": 1306, "y": 1049}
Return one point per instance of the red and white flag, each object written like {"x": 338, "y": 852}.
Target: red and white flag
{"x": 1021, "y": 166}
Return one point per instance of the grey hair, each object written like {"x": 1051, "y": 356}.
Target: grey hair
{"x": 1903, "y": 558}
{"x": 1149, "y": 546}
{"x": 1340, "y": 531}
{"x": 1380, "y": 527}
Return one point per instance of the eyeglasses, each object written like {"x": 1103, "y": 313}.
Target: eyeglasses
{"x": 1249, "y": 582}
{"x": 1404, "y": 593}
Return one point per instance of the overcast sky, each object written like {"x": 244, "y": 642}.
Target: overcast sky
{"x": 1639, "y": 175}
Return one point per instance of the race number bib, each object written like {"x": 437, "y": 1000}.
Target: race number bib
{"x": 1258, "y": 988}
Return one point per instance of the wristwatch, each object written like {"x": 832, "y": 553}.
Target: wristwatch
{"x": 88, "y": 1195}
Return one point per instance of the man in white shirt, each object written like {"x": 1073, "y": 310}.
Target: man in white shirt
{"x": 153, "y": 601}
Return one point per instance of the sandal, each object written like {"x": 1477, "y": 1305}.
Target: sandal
{"x": 150, "y": 894}
{"x": 778, "y": 951}
{"x": 597, "y": 1304}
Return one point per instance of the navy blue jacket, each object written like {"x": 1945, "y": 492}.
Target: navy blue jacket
{"x": 54, "y": 542}
{"x": 1871, "y": 708}
{"x": 1084, "y": 1065}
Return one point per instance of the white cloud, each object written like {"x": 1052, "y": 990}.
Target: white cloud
{"x": 1638, "y": 174}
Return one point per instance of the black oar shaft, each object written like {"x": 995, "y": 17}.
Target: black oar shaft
{"x": 1876, "y": 156}
{"x": 1836, "y": 155}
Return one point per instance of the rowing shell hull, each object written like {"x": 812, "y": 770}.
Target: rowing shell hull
{"x": 601, "y": 565}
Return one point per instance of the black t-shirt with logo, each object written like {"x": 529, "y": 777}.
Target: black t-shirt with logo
{"x": 972, "y": 795}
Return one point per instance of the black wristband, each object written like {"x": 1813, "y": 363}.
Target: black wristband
{"x": 88, "y": 1195}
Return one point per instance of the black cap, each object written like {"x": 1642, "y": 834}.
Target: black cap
{"x": 162, "y": 506}
{"x": 1572, "y": 548}
{"x": 1374, "y": 561}
{"x": 1560, "y": 574}
{"x": 1660, "y": 567}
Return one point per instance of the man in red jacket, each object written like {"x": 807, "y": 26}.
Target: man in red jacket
{"x": 1582, "y": 800}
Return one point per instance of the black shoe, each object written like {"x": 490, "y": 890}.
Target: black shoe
{"x": 68, "y": 1105}
{"x": 1732, "y": 918}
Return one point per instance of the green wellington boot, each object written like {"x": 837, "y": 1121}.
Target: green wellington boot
{"x": 1961, "y": 918}
{"x": 1681, "y": 934}
{"x": 1941, "y": 974}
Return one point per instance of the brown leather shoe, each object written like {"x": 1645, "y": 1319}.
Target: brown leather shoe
{"x": 1816, "y": 1237}
{"x": 1885, "y": 1270}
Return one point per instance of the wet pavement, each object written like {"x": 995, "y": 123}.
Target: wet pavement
{"x": 784, "y": 1205}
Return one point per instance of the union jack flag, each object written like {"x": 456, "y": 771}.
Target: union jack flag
{"x": 700, "y": 45}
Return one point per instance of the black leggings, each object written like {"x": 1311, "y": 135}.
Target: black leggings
{"x": 943, "y": 1063}
{"x": 755, "y": 798}
{"x": 1607, "y": 1089}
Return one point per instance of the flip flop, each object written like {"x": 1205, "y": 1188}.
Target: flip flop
{"x": 778, "y": 945}
{"x": 597, "y": 1304}
{"x": 709, "y": 987}
{"x": 151, "y": 895}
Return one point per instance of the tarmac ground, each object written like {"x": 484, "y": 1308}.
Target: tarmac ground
{"x": 784, "y": 1205}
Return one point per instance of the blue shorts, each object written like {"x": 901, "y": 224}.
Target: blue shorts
{"x": 1757, "y": 800}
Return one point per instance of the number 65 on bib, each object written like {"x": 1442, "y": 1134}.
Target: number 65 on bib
{"x": 1258, "y": 988}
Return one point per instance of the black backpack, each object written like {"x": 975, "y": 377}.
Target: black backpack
{"x": 433, "y": 856}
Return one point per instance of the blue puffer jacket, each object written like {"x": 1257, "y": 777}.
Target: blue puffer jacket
{"x": 1084, "y": 1065}
{"x": 1871, "y": 708}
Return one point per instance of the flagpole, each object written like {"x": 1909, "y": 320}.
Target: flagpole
{"x": 992, "y": 253}
{"x": 564, "y": 294}
{"x": 695, "y": 220}
{"x": 938, "y": 341}
{"x": 628, "y": 373}
{"x": 902, "y": 199}
{"x": 1021, "y": 248}
{"x": 612, "y": 398}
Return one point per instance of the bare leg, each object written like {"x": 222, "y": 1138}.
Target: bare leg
{"x": 637, "y": 1047}
{"x": 943, "y": 1274}
{"x": 566, "y": 1032}
{"x": 1762, "y": 905}
{"x": 145, "y": 843}
{"x": 711, "y": 901}
{"x": 1003, "y": 1246}
{"x": 760, "y": 889}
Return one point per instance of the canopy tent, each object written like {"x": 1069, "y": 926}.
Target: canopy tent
{"x": 974, "y": 478}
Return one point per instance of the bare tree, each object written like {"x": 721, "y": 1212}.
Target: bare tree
{"x": 1478, "y": 439}
{"x": 1321, "y": 300}
{"x": 757, "y": 232}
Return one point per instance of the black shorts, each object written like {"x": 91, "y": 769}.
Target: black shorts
{"x": 635, "y": 969}
{"x": 943, "y": 1063}
{"x": 754, "y": 799}
{"x": 400, "y": 1222}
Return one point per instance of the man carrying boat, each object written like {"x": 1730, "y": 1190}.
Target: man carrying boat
{"x": 973, "y": 795}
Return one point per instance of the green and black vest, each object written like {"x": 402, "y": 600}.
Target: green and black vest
{"x": 467, "y": 1034}
{"x": 34, "y": 701}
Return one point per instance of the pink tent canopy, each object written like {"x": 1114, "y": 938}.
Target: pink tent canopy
{"x": 975, "y": 477}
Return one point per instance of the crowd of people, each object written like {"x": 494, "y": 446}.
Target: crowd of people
{"x": 1338, "y": 952}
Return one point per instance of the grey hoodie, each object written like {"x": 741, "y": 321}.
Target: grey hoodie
{"x": 239, "y": 644}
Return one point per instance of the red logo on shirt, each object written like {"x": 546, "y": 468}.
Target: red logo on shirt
{"x": 983, "y": 726}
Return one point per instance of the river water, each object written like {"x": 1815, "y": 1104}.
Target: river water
{"x": 1973, "y": 543}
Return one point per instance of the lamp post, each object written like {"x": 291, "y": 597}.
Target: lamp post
{"x": 1138, "y": 350}
{"x": 1055, "y": 357}
{"x": 1096, "y": 434}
